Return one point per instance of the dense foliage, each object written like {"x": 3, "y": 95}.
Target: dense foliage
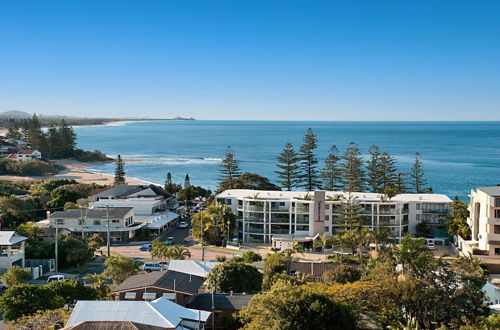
{"x": 119, "y": 268}
{"x": 234, "y": 277}
{"x": 216, "y": 223}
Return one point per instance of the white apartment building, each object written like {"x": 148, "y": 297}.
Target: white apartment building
{"x": 267, "y": 216}
{"x": 11, "y": 250}
{"x": 484, "y": 221}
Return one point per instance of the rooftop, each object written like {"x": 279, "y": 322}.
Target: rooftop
{"x": 221, "y": 301}
{"x": 192, "y": 267}
{"x": 112, "y": 325}
{"x": 492, "y": 191}
{"x": 94, "y": 213}
{"x": 160, "y": 312}
{"x": 164, "y": 279}
{"x": 288, "y": 195}
{"x": 10, "y": 238}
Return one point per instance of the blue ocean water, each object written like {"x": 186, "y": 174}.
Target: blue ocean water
{"x": 457, "y": 156}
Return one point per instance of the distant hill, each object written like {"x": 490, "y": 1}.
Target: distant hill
{"x": 14, "y": 114}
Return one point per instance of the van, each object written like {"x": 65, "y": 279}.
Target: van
{"x": 55, "y": 278}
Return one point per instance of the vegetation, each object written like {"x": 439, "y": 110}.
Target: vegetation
{"x": 275, "y": 267}
{"x": 457, "y": 220}
{"x": 119, "y": 171}
{"x": 235, "y": 277}
{"x": 49, "y": 319}
{"x": 170, "y": 186}
{"x": 15, "y": 275}
{"x": 99, "y": 284}
{"x": 217, "y": 223}
{"x": 417, "y": 175}
{"x": 229, "y": 171}
{"x": 353, "y": 174}
{"x": 289, "y": 168}
{"x": 164, "y": 251}
{"x": 192, "y": 192}
{"x": 295, "y": 307}
{"x": 309, "y": 176}
{"x": 26, "y": 167}
{"x": 26, "y": 299}
{"x": 341, "y": 274}
{"x": 119, "y": 268}
{"x": 331, "y": 173}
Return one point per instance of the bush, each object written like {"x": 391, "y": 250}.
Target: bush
{"x": 89, "y": 156}
{"x": 8, "y": 188}
{"x": 342, "y": 274}
{"x": 29, "y": 167}
{"x": 250, "y": 256}
{"x": 234, "y": 276}
{"x": 45, "y": 187}
{"x": 15, "y": 275}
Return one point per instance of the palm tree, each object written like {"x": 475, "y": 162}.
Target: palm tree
{"x": 177, "y": 252}
{"x": 99, "y": 285}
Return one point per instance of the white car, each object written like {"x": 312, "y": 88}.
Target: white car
{"x": 183, "y": 224}
{"x": 55, "y": 278}
{"x": 151, "y": 267}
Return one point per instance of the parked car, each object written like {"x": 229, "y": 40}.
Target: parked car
{"x": 183, "y": 225}
{"x": 431, "y": 245}
{"x": 151, "y": 267}
{"x": 145, "y": 247}
{"x": 170, "y": 240}
{"x": 55, "y": 278}
{"x": 163, "y": 264}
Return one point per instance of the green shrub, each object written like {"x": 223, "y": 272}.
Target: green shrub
{"x": 30, "y": 167}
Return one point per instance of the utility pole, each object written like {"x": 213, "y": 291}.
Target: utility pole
{"x": 108, "y": 243}
{"x": 201, "y": 236}
{"x": 57, "y": 238}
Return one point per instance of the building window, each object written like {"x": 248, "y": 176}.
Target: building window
{"x": 497, "y": 213}
{"x": 59, "y": 221}
{"x": 417, "y": 206}
{"x": 497, "y": 251}
{"x": 496, "y": 229}
{"x": 97, "y": 222}
{"x": 130, "y": 295}
{"x": 497, "y": 201}
{"x": 149, "y": 296}
{"x": 116, "y": 221}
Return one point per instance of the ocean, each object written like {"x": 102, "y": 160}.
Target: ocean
{"x": 457, "y": 156}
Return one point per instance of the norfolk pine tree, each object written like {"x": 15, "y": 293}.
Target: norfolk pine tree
{"x": 289, "y": 168}
{"x": 374, "y": 169}
{"x": 388, "y": 171}
{"x": 309, "y": 178}
{"x": 331, "y": 173}
{"x": 417, "y": 175}
{"x": 119, "y": 171}
{"x": 353, "y": 174}
{"x": 229, "y": 170}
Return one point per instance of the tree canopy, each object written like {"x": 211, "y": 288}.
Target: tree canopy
{"x": 234, "y": 277}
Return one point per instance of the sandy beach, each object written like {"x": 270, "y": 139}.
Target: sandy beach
{"x": 74, "y": 170}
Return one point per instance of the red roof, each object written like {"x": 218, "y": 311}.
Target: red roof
{"x": 12, "y": 156}
{"x": 27, "y": 152}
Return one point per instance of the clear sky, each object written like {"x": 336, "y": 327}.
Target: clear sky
{"x": 234, "y": 59}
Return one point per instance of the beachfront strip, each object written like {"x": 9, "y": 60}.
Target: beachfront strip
{"x": 280, "y": 217}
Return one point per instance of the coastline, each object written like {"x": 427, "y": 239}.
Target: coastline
{"x": 75, "y": 170}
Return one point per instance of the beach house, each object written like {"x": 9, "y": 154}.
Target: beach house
{"x": 11, "y": 250}
{"x": 28, "y": 154}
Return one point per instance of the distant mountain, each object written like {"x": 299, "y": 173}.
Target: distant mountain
{"x": 14, "y": 114}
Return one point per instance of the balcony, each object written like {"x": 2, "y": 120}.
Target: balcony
{"x": 255, "y": 208}
{"x": 254, "y": 219}
{"x": 280, "y": 231}
{"x": 493, "y": 221}
{"x": 280, "y": 220}
{"x": 254, "y": 230}
{"x": 388, "y": 211}
{"x": 435, "y": 211}
{"x": 493, "y": 237}
{"x": 282, "y": 209}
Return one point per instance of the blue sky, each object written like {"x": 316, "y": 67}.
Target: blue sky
{"x": 293, "y": 60}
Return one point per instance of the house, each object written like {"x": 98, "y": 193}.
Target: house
{"x": 192, "y": 267}
{"x": 119, "y": 221}
{"x": 314, "y": 270}
{"x": 139, "y": 191}
{"x": 160, "y": 313}
{"x": 276, "y": 217}
{"x": 29, "y": 154}
{"x": 11, "y": 250}
{"x": 172, "y": 285}
{"x": 222, "y": 306}
{"x": 150, "y": 210}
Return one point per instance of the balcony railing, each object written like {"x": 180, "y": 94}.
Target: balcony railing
{"x": 280, "y": 209}
{"x": 280, "y": 231}
{"x": 255, "y": 230}
{"x": 255, "y": 208}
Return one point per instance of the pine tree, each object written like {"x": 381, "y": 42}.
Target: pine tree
{"x": 309, "y": 178}
{"x": 13, "y": 133}
{"x": 417, "y": 175}
{"x": 331, "y": 173}
{"x": 53, "y": 146}
{"x": 67, "y": 138}
{"x": 119, "y": 171}
{"x": 187, "y": 182}
{"x": 400, "y": 183}
{"x": 388, "y": 171}
{"x": 374, "y": 169}
{"x": 288, "y": 163}
{"x": 170, "y": 186}
{"x": 353, "y": 174}
{"x": 35, "y": 136}
{"x": 229, "y": 170}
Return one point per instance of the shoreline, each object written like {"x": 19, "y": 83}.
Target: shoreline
{"x": 78, "y": 171}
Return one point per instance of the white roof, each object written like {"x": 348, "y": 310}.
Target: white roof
{"x": 160, "y": 312}
{"x": 361, "y": 196}
{"x": 10, "y": 238}
{"x": 157, "y": 222}
{"x": 192, "y": 267}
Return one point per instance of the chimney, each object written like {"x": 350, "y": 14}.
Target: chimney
{"x": 48, "y": 214}
{"x": 231, "y": 292}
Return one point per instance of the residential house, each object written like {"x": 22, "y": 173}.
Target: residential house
{"x": 192, "y": 267}
{"x": 119, "y": 221}
{"x": 278, "y": 217}
{"x": 29, "y": 154}
{"x": 313, "y": 270}
{"x": 11, "y": 250}
{"x": 160, "y": 313}
{"x": 172, "y": 285}
{"x": 221, "y": 305}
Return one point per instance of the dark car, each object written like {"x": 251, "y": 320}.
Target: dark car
{"x": 145, "y": 247}
{"x": 170, "y": 240}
